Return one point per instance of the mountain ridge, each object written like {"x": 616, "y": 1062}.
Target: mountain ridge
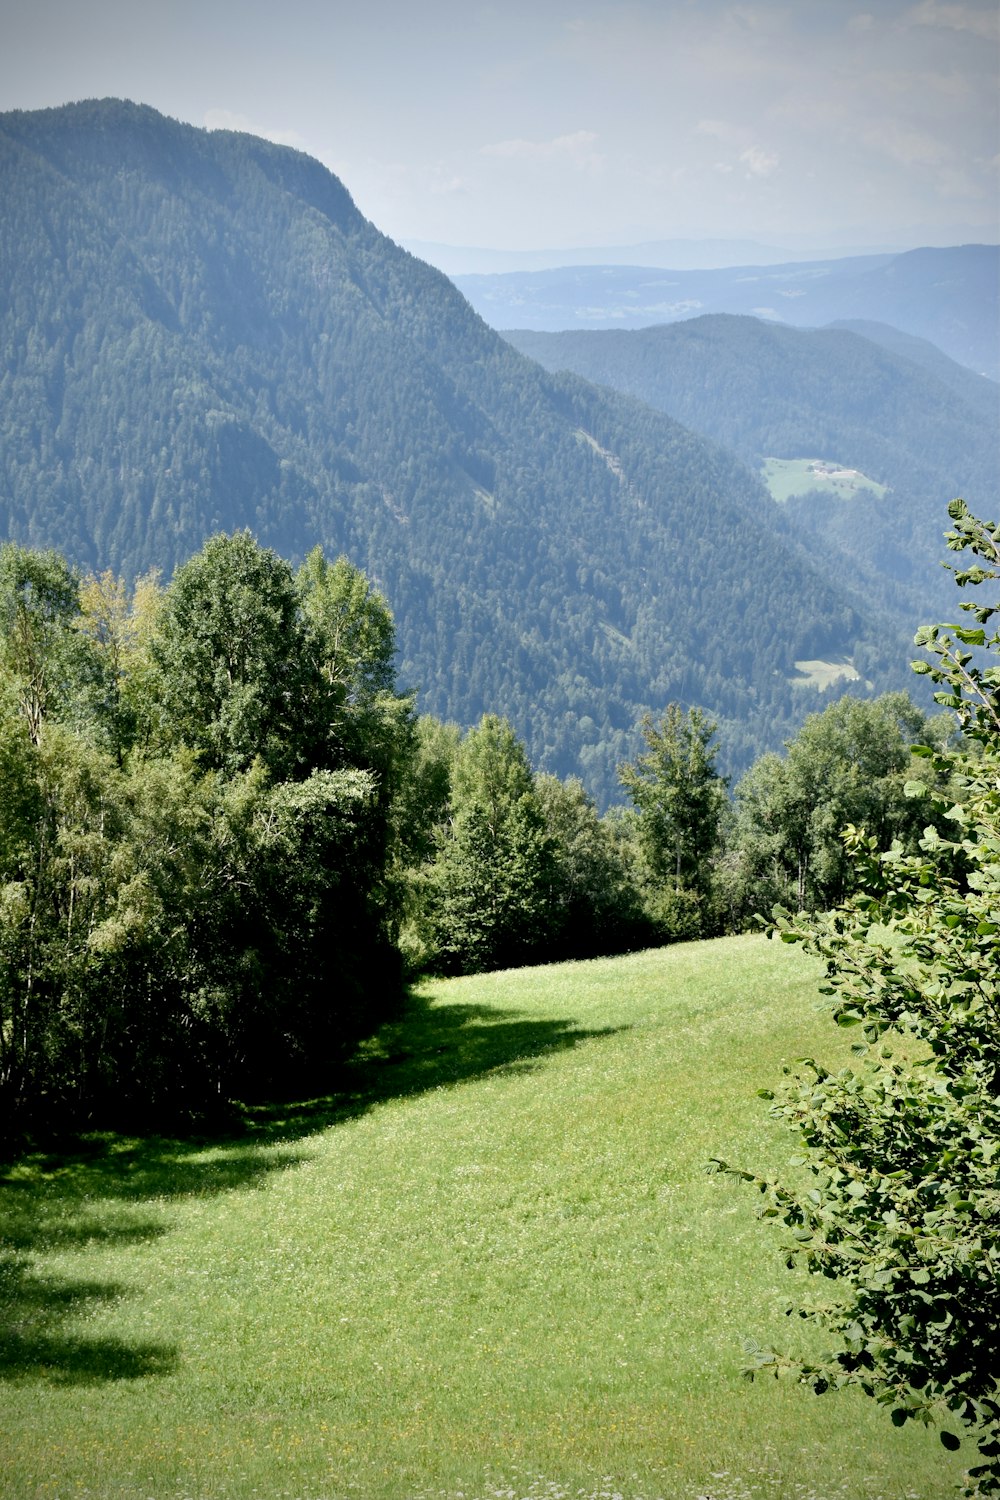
{"x": 202, "y": 332}
{"x": 950, "y": 296}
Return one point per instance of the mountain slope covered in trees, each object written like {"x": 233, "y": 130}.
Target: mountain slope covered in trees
{"x": 888, "y": 405}
{"x": 201, "y": 332}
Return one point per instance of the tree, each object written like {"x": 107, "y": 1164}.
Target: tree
{"x": 234, "y": 673}
{"x": 351, "y": 645}
{"x": 198, "y": 891}
{"x": 119, "y": 624}
{"x": 491, "y": 884}
{"x": 47, "y": 659}
{"x": 903, "y": 1149}
{"x": 847, "y": 765}
{"x": 680, "y": 798}
{"x": 595, "y": 906}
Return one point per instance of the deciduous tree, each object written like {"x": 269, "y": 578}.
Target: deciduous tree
{"x": 902, "y": 1212}
{"x": 848, "y": 764}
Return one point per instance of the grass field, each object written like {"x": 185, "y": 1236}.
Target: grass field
{"x": 821, "y": 674}
{"x": 492, "y": 1267}
{"x": 786, "y": 477}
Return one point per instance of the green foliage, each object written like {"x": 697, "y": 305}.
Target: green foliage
{"x": 351, "y": 647}
{"x": 595, "y": 906}
{"x": 199, "y": 893}
{"x": 850, "y": 764}
{"x": 119, "y": 624}
{"x": 45, "y": 657}
{"x": 903, "y": 1149}
{"x": 506, "y": 868}
{"x": 233, "y": 671}
{"x": 494, "y": 876}
{"x": 680, "y": 798}
{"x": 422, "y": 805}
{"x": 352, "y": 625}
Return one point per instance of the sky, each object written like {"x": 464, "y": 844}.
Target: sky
{"x": 534, "y": 123}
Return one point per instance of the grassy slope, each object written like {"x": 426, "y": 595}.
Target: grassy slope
{"x": 786, "y": 477}
{"x": 492, "y": 1267}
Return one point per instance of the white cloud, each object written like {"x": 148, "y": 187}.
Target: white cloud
{"x": 576, "y": 148}
{"x": 448, "y": 187}
{"x": 984, "y": 22}
{"x": 227, "y": 119}
{"x": 758, "y": 162}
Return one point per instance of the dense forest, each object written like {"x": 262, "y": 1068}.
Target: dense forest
{"x": 890, "y": 406}
{"x": 226, "y": 836}
{"x": 200, "y": 332}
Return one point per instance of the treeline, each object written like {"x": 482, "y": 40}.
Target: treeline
{"x": 226, "y": 837}
{"x": 198, "y": 869}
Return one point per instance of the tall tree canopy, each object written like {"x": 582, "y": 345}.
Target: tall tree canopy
{"x": 494, "y": 876}
{"x": 849, "y": 764}
{"x": 198, "y": 892}
{"x": 680, "y": 798}
{"x": 233, "y": 670}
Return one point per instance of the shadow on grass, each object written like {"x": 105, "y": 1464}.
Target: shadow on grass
{"x": 427, "y": 1047}
{"x": 110, "y": 1190}
{"x": 36, "y": 1345}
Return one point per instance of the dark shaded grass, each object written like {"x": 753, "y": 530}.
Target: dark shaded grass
{"x": 45, "y": 1196}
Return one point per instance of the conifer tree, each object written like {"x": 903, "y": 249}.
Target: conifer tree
{"x": 494, "y": 875}
{"x": 680, "y": 797}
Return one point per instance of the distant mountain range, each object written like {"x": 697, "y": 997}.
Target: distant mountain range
{"x": 199, "y": 331}
{"x": 949, "y": 296}
{"x": 676, "y": 254}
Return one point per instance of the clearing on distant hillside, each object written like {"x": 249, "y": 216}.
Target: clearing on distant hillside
{"x": 786, "y": 477}
{"x": 822, "y": 674}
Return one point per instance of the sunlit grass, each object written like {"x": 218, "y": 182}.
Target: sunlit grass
{"x": 491, "y": 1265}
{"x": 787, "y": 477}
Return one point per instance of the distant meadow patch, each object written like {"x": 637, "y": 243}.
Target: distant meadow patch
{"x": 786, "y": 477}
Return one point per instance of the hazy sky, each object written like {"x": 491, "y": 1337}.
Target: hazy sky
{"x": 571, "y": 122}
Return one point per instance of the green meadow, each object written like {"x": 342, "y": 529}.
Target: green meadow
{"x": 786, "y": 477}
{"x": 490, "y": 1266}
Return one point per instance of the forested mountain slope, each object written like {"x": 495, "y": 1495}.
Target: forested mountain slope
{"x": 199, "y": 331}
{"x": 977, "y": 391}
{"x": 897, "y": 410}
{"x": 950, "y": 296}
